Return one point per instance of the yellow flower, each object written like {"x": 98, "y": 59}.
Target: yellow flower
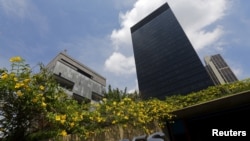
{"x": 91, "y": 118}
{"x": 81, "y": 116}
{"x": 4, "y": 76}
{"x": 19, "y": 93}
{"x": 104, "y": 100}
{"x": 16, "y": 59}
{"x": 44, "y": 104}
{"x": 34, "y": 100}
{"x": 12, "y": 74}
{"x": 62, "y": 121}
{"x": 99, "y": 119}
{"x": 63, "y": 117}
{"x": 64, "y": 133}
{"x": 40, "y": 95}
{"x": 18, "y": 85}
{"x": 43, "y": 98}
{"x": 26, "y": 80}
{"x": 114, "y": 121}
{"x": 15, "y": 79}
{"x": 58, "y": 118}
{"x": 75, "y": 118}
{"x": 127, "y": 99}
{"x": 41, "y": 87}
{"x": 72, "y": 124}
{"x": 87, "y": 134}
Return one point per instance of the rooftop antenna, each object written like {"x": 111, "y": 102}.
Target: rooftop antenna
{"x": 65, "y": 50}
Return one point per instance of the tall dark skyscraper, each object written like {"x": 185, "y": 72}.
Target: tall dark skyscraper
{"x": 218, "y": 69}
{"x": 166, "y": 62}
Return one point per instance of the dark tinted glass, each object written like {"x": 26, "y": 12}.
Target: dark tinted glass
{"x": 166, "y": 62}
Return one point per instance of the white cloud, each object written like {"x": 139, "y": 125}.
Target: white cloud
{"x": 203, "y": 38}
{"x": 196, "y": 17}
{"x": 135, "y": 88}
{"x": 122, "y": 37}
{"x": 119, "y": 64}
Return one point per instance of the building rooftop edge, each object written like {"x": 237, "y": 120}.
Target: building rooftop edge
{"x": 237, "y": 99}
{"x": 152, "y": 15}
{"x": 69, "y": 57}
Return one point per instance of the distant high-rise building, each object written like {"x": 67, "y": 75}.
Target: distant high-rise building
{"x": 218, "y": 70}
{"x": 78, "y": 80}
{"x": 166, "y": 62}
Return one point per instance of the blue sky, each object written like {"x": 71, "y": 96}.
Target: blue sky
{"x": 96, "y": 32}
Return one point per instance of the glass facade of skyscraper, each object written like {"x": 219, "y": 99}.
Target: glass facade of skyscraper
{"x": 166, "y": 62}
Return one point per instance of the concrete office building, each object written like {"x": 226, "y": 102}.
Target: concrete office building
{"x": 166, "y": 62}
{"x": 79, "y": 81}
{"x": 218, "y": 70}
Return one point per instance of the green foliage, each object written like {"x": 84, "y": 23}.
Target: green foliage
{"x": 118, "y": 95}
{"x": 211, "y": 93}
{"x": 115, "y": 94}
{"x": 36, "y": 108}
{"x": 18, "y": 89}
{"x": 32, "y": 102}
{"x": 128, "y": 112}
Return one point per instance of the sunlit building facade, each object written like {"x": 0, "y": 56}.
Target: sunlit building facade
{"x": 219, "y": 70}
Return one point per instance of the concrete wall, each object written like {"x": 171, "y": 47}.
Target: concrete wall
{"x": 83, "y": 85}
